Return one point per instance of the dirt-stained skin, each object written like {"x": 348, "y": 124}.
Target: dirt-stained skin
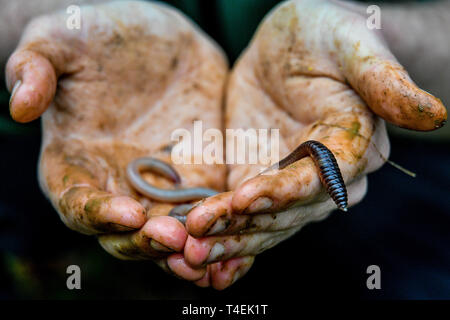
{"x": 112, "y": 92}
{"x": 117, "y": 88}
{"x": 315, "y": 71}
{"x": 123, "y": 86}
{"x": 328, "y": 169}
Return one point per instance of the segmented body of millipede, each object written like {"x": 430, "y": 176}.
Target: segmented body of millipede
{"x": 329, "y": 172}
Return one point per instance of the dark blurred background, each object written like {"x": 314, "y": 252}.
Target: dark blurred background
{"x": 402, "y": 225}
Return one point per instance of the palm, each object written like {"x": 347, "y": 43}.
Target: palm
{"x": 312, "y": 70}
{"x": 126, "y": 80}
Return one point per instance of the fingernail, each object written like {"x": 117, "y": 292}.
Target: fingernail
{"x": 13, "y": 92}
{"x": 260, "y": 204}
{"x": 217, "y": 250}
{"x": 243, "y": 269}
{"x": 220, "y": 225}
{"x": 159, "y": 247}
{"x": 236, "y": 277}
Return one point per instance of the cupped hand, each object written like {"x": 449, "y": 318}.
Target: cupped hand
{"x": 315, "y": 72}
{"x": 110, "y": 92}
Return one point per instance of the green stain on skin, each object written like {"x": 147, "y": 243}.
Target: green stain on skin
{"x": 65, "y": 179}
{"x": 357, "y": 156}
{"x": 354, "y": 130}
{"x": 420, "y": 108}
{"x": 93, "y": 205}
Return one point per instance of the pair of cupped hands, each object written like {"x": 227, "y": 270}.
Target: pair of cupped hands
{"x": 116, "y": 89}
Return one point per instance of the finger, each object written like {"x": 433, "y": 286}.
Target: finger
{"x": 160, "y": 236}
{"x": 297, "y": 184}
{"x": 340, "y": 48}
{"x": 74, "y": 183}
{"x": 225, "y": 273}
{"x": 202, "y": 217}
{"x": 31, "y": 79}
{"x": 46, "y": 51}
{"x": 89, "y": 210}
{"x": 181, "y": 269}
{"x": 178, "y": 266}
{"x": 167, "y": 231}
{"x": 345, "y": 134}
{"x": 199, "y": 252}
{"x": 381, "y": 81}
{"x": 205, "y": 281}
{"x": 285, "y": 219}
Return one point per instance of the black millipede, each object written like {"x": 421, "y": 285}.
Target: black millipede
{"x": 329, "y": 174}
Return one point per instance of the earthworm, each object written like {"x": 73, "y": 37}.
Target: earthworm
{"x": 134, "y": 169}
{"x": 329, "y": 172}
{"x": 180, "y": 212}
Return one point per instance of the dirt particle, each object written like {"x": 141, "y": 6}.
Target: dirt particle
{"x": 430, "y": 114}
{"x": 174, "y": 63}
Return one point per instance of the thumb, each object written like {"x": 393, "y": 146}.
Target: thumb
{"x": 31, "y": 79}
{"x": 373, "y": 72}
{"x": 45, "y": 51}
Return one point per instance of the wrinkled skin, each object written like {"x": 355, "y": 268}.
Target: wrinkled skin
{"x": 314, "y": 70}
{"x": 134, "y": 73}
{"x": 115, "y": 90}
